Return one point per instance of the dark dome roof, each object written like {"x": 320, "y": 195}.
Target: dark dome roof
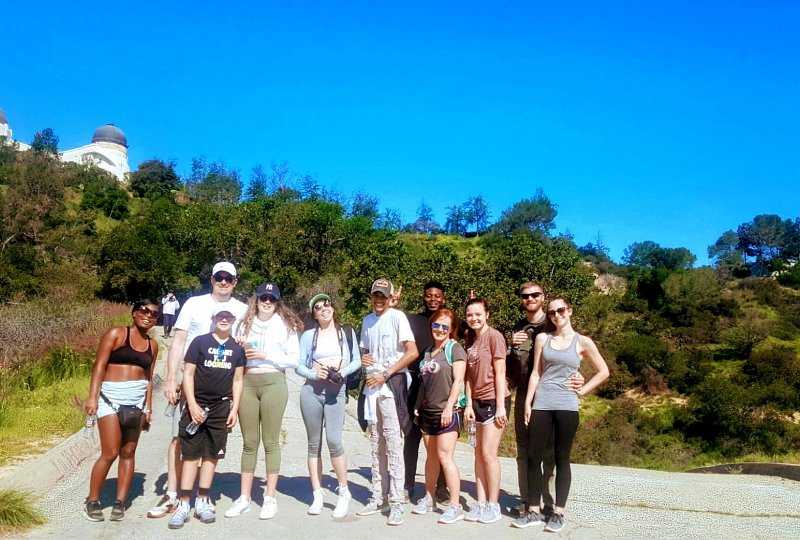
{"x": 3, "y": 117}
{"x": 110, "y": 133}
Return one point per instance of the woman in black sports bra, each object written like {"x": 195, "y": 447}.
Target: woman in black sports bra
{"x": 122, "y": 376}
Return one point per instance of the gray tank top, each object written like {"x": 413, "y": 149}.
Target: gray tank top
{"x": 553, "y": 392}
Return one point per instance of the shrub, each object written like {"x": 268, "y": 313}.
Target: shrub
{"x": 638, "y": 352}
{"x": 17, "y": 512}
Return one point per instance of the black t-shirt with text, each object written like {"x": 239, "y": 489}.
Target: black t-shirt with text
{"x": 215, "y": 364}
{"x": 519, "y": 362}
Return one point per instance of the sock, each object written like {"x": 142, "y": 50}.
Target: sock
{"x": 172, "y": 495}
{"x": 186, "y": 494}
{"x": 203, "y": 492}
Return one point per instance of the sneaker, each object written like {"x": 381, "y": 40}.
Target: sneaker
{"x": 269, "y": 509}
{"x": 423, "y": 506}
{"x": 316, "y": 505}
{"x": 166, "y": 505}
{"x": 528, "y": 520}
{"x": 117, "y": 511}
{"x": 240, "y": 506}
{"x": 547, "y": 511}
{"x": 452, "y": 514}
{"x": 342, "y": 504}
{"x": 93, "y": 511}
{"x": 373, "y": 507}
{"x": 490, "y": 514}
{"x": 204, "y": 510}
{"x": 475, "y": 512}
{"x": 180, "y": 516}
{"x": 396, "y": 515}
{"x": 555, "y": 523}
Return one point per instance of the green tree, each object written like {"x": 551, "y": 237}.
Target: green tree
{"x": 456, "y": 222}
{"x": 101, "y": 191}
{"x": 364, "y": 205}
{"x": 257, "y": 186}
{"x": 155, "y": 178}
{"x": 214, "y": 183}
{"x": 536, "y": 214}
{"x": 425, "y": 222}
{"x": 45, "y": 142}
{"x": 390, "y": 219}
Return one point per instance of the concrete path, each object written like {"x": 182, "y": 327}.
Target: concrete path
{"x": 605, "y": 502}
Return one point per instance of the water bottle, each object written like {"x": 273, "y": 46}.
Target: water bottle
{"x": 472, "y": 434}
{"x": 169, "y": 410}
{"x": 88, "y": 425}
{"x": 192, "y": 428}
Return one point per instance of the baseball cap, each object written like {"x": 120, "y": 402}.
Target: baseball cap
{"x": 318, "y": 298}
{"x": 224, "y": 266}
{"x": 382, "y": 285}
{"x": 269, "y": 288}
{"x": 222, "y": 308}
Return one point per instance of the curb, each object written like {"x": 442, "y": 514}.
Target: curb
{"x": 40, "y": 474}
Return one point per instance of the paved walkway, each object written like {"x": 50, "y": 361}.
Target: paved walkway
{"x": 605, "y": 502}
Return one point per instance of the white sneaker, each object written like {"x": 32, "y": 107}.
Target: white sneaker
{"x": 270, "y": 508}
{"x": 316, "y": 505}
{"x": 342, "y": 504}
{"x": 240, "y": 506}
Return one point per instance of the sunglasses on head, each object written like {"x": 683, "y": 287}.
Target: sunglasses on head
{"x": 319, "y": 306}
{"x": 224, "y": 277}
{"x": 147, "y": 312}
{"x": 533, "y": 295}
{"x": 561, "y": 311}
{"x": 440, "y": 326}
{"x": 267, "y": 298}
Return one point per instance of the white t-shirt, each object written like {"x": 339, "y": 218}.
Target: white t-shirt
{"x": 170, "y": 306}
{"x": 195, "y": 317}
{"x": 384, "y": 336}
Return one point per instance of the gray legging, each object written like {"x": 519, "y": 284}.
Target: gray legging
{"x": 321, "y": 403}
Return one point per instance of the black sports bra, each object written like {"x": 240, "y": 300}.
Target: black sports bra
{"x": 127, "y": 355}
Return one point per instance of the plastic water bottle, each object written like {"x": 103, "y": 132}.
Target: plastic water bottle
{"x": 88, "y": 425}
{"x": 192, "y": 428}
{"x": 169, "y": 410}
{"x": 472, "y": 434}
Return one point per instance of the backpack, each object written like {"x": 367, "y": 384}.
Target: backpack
{"x": 353, "y": 380}
{"x": 448, "y": 355}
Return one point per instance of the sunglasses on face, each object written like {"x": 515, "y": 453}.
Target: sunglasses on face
{"x": 223, "y": 277}
{"x": 267, "y": 298}
{"x": 147, "y": 312}
{"x": 561, "y": 311}
{"x": 440, "y": 326}
{"x": 321, "y": 305}
{"x": 225, "y": 317}
{"x": 533, "y": 295}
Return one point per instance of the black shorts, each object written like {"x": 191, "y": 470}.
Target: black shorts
{"x": 211, "y": 437}
{"x": 430, "y": 422}
{"x": 485, "y": 409}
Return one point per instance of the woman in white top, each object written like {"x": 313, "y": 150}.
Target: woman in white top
{"x": 268, "y": 333}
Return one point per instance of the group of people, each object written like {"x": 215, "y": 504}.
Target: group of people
{"x": 422, "y": 377}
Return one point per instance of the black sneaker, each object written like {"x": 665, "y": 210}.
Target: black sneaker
{"x": 528, "y": 520}
{"x": 93, "y": 511}
{"x": 555, "y": 523}
{"x": 117, "y": 511}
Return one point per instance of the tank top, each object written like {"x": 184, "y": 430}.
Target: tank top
{"x": 553, "y": 392}
{"x": 127, "y": 355}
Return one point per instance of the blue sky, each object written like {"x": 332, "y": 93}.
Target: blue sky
{"x": 641, "y": 120}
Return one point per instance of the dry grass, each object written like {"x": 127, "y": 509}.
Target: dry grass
{"x": 17, "y": 512}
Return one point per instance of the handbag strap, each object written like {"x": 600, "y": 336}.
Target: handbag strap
{"x": 108, "y": 402}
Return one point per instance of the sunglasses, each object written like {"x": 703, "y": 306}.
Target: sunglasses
{"x": 319, "y": 306}
{"x": 224, "y": 277}
{"x": 267, "y": 298}
{"x": 533, "y": 295}
{"x": 561, "y": 311}
{"x": 147, "y": 312}
{"x": 440, "y": 326}
{"x": 225, "y": 317}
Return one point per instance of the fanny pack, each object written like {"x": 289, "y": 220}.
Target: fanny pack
{"x": 130, "y": 416}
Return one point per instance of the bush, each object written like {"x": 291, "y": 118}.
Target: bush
{"x": 776, "y": 368}
{"x": 749, "y": 331}
{"x": 637, "y": 352}
{"x": 17, "y": 512}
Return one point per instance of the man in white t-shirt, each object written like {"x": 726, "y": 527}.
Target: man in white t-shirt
{"x": 194, "y": 320}
{"x": 169, "y": 306}
{"x": 389, "y": 348}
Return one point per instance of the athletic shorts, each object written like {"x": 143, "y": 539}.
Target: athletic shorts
{"x": 211, "y": 437}
{"x": 485, "y": 409}
{"x": 430, "y": 422}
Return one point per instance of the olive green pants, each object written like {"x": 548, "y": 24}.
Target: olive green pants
{"x": 260, "y": 415}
